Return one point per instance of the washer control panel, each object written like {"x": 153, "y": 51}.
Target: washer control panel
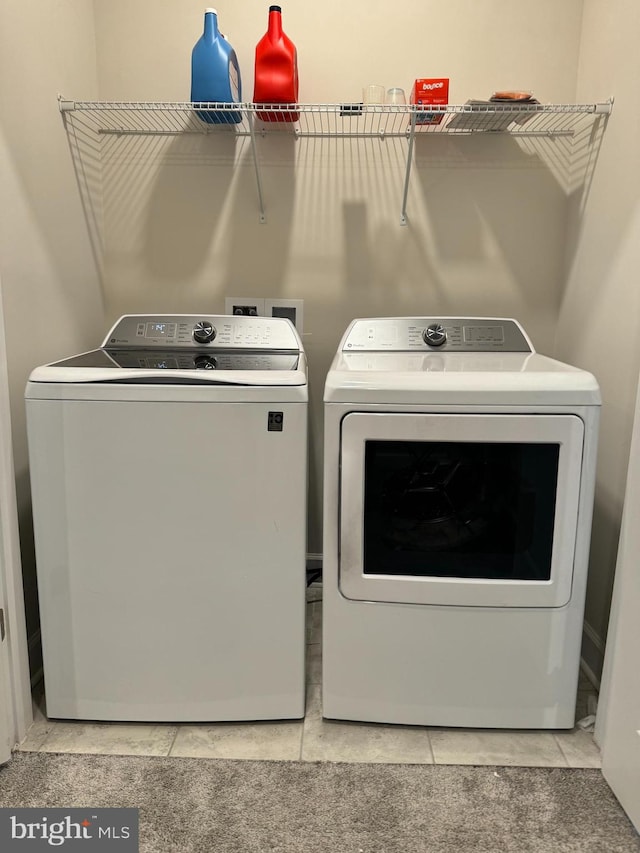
{"x": 450, "y": 334}
{"x": 187, "y": 331}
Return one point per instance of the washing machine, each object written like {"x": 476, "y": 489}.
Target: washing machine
{"x": 169, "y": 484}
{"x": 458, "y": 491}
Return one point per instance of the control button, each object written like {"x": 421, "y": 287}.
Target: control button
{"x": 205, "y": 362}
{"x": 203, "y": 332}
{"x": 434, "y": 335}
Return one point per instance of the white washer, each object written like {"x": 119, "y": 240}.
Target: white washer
{"x": 458, "y": 490}
{"x": 169, "y": 482}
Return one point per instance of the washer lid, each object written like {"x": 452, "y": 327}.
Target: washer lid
{"x": 177, "y": 349}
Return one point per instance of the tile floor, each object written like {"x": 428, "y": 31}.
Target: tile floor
{"x": 316, "y": 739}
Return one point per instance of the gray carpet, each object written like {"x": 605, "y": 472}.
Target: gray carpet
{"x": 188, "y": 805}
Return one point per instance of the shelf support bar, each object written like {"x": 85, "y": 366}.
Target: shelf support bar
{"x": 405, "y": 192}
{"x": 254, "y": 151}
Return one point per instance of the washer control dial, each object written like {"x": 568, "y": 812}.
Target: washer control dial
{"x": 435, "y": 335}
{"x": 205, "y": 362}
{"x": 203, "y": 332}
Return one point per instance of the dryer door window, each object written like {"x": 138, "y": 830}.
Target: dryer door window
{"x": 459, "y": 509}
{"x": 484, "y": 510}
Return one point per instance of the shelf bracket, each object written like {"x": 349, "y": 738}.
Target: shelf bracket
{"x": 405, "y": 191}
{"x": 604, "y": 108}
{"x": 254, "y": 151}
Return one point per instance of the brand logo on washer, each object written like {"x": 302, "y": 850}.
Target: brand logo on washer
{"x": 275, "y": 422}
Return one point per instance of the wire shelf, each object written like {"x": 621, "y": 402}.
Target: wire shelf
{"x": 534, "y": 124}
{"x": 327, "y": 120}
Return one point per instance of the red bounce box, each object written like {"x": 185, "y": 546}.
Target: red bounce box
{"x": 430, "y": 91}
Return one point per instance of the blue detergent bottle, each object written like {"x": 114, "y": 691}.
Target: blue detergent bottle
{"x": 215, "y": 73}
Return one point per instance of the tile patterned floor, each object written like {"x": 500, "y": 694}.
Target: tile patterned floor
{"x": 317, "y": 739}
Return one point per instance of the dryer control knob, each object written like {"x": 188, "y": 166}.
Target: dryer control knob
{"x": 203, "y": 332}
{"x": 435, "y": 335}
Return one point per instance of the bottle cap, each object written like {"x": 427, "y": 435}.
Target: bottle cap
{"x": 275, "y": 8}
{"x": 209, "y": 9}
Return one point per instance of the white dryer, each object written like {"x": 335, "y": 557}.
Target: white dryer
{"x": 169, "y": 483}
{"x": 458, "y": 490}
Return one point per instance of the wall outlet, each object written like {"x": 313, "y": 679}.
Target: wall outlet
{"x": 252, "y": 306}
{"x": 248, "y": 306}
{"x": 292, "y": 309}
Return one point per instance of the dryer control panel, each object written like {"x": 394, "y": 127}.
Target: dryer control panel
{"x": 451, "y": 334}
{"x": 197, "y": 331}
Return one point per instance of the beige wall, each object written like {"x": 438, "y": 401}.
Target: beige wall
{"x": 144, "y": 46}
{"x": 487, "y": 219}
{"x": 51, "y": 295}
{"x": 599, "y": 321}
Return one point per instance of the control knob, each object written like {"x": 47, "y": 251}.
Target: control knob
{"x": 435, "y": 335}
{"x": 203, "y": 332}
{"x": 205, "y": 362}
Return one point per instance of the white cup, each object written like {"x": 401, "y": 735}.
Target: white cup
{"x": 396, "y": 96}
{"x": 373, "y": 94}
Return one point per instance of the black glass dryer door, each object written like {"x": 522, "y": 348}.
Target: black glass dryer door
{"x": 459, "y": 509}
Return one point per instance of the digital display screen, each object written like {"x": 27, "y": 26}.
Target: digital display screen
{"x": 160, "y": 330}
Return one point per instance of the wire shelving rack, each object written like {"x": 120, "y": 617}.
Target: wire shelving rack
{"x": 348, "y": 120}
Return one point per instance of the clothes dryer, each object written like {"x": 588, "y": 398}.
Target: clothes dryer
{"x": 458, "y": 490}
{"x": 169, "y": 482}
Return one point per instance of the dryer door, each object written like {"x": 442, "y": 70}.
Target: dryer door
{"x": 457, "y": 509}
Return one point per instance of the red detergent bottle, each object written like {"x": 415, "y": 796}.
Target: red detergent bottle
{"x": 276, "y": 70}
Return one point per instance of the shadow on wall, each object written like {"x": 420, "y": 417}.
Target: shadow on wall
{"x": 388, "y": 270}
{"x": 259, "y": 253}
{"x": 154, "y": 204}
{"x": 204, "y": 212}
{"x": 511, "y": 187}
{"x": 86, "y": 147}
{"x": 496, "y": 214}
{"x": 181, "y": 219}
{"x": 29, "y": 578}
{"x": 187, "y": 204}
{"x": 605, "y": 537}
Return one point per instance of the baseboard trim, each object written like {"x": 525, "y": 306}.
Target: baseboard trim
{"x": 592, "y": 659}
